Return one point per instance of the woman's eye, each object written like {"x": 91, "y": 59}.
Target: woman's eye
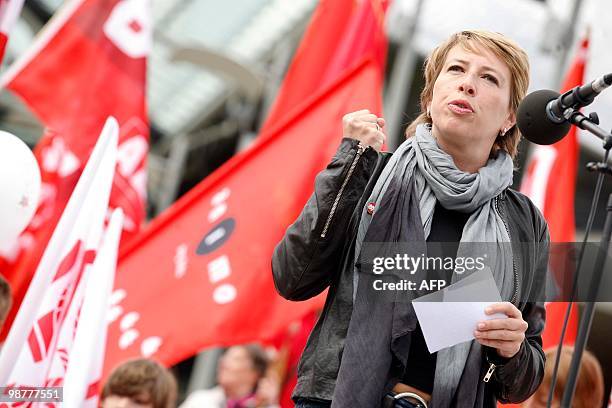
{"x": 455, "y": 68}
{"x": 491, "y": 78}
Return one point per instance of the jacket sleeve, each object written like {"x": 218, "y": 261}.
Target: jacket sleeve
{"x": 308, "y": 256}
{"x": 517, "y": 378}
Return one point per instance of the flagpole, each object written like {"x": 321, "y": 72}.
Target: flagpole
{"x": 400, "y": 82}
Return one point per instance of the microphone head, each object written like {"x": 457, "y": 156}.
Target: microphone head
{"x": 533, "y": 121}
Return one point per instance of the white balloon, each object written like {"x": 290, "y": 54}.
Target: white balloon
{"x": 19, "y": 187}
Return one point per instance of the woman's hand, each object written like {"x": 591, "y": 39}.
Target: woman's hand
{"x": 365, "y": 127}
{"x": 504, "y": 335}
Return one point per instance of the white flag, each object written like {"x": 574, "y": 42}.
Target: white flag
{"x": 86, "y": 358}
{"x": 31, "y": 356}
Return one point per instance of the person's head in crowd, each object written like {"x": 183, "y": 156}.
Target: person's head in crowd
{"x": 240, "y": 369}
{"x": 139, "y": 383}
{"x": 589, "y": 386}
{"x": 6, "y": 300}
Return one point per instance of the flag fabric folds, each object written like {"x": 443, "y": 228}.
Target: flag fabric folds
{"x": 351, "y": 30}
{"x": 82, "y": 383}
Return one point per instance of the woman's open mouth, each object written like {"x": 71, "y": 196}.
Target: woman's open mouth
{"x": 460, "y": 107}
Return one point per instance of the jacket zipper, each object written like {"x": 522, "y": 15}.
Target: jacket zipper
{"x": 489, "y": 373}
{"x": 515, "y": 295}
{"x": 492, "y": 366}
{"x": 360, "y": 149}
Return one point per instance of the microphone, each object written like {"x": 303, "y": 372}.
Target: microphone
{"x": 578, "y": 97}
{"x": 540, "y": 115}
{"x": 534, "y": 122}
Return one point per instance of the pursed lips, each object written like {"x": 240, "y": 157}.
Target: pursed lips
{"x": 460, "y": 106}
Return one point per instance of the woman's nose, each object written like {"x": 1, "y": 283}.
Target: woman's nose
{"x": 467, "y": 87}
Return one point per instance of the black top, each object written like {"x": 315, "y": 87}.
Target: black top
{"x": 446, "y": 226}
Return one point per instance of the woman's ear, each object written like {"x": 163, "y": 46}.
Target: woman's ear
{"x": 510, "y": 121}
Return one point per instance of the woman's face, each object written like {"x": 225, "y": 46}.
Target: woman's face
{"x": 471, "y": 98}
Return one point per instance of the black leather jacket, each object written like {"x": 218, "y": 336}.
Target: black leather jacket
{"x": 317, "y": 252}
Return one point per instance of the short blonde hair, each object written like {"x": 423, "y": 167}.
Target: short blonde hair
{"x": 501, "y": 46}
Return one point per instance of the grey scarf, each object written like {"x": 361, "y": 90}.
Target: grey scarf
{"x": 417, "y": 176}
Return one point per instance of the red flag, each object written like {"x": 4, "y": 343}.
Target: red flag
{"x": 9, "y": 12}
{"x": 210, "y": 252}
{"x": 88, "y": 63}
{"x": 556, "y": 200}
{"x": 355, "y": 29}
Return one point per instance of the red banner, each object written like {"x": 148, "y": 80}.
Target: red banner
{"x": 200, "y": 276}
{"x": 341, "y": 32}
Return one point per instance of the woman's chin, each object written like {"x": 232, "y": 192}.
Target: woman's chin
{"x": 456, "y": 130}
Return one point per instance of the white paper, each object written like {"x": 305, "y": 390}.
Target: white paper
{"x": 447, "y": 317}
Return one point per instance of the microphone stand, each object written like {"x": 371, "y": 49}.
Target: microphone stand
{"x": 589, "y": 124}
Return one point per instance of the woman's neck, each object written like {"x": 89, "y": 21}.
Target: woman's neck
{"x": 467, "y": 157}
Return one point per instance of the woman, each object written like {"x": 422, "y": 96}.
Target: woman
{"x": 448, "y": 182}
